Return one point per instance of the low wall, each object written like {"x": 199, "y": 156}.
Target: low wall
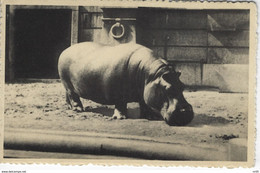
{"x": 106, "y": 144}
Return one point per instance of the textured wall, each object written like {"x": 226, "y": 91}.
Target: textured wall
{"x": 210, "y": 47}
{"x": 203, "y": 44}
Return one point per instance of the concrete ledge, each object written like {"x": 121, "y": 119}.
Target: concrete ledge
{"x": 34, "y": 80}
{"x": 238, "y": 149}
{"x": 104, "y": 144}
{"x": 22, "y": 154}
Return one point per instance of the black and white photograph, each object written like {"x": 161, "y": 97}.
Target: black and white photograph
{"x": 129, "y": 83}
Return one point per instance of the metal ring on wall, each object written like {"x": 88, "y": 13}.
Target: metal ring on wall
{"x": 117, "y": 24}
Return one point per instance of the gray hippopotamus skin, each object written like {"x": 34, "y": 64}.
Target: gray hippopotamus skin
{"x": 116, "y": 75}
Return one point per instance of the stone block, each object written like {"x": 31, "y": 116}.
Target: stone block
{"x": 227, "y": 77}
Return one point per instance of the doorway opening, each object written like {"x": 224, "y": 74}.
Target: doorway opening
{"x": 40, "y": 35}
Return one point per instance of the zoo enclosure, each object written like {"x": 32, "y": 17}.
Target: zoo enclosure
{"x": 210, "y": 47}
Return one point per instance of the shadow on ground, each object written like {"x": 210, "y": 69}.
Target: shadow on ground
{"x": 133, "y": 113}
{"x": 202, "y": 119}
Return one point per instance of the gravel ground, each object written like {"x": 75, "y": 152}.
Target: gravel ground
{"x": 219, "y": 117}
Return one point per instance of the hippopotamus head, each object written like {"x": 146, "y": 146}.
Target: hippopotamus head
{"x": 164, "y": 95}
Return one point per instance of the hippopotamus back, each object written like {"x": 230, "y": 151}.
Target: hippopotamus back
{"x": 105, "y": 74}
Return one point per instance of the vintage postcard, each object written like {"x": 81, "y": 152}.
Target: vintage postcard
{"x": 128, "y": 83}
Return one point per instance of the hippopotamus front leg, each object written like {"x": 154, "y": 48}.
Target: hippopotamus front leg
{"x": 146, "y": 112}
{"x": 73, "y": 101}
{"x": 120, "y": 111}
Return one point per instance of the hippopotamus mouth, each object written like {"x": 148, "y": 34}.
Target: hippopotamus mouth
{"x": 180, "y": 116}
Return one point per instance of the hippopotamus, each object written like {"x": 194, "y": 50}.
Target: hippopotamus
{"x": 117, "y": 75}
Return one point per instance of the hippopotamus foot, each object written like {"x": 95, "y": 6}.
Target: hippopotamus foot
{"x": 77, "y": 108}
{"x": 74, "y": 102}
{"x": 120, "y": 111}
{"x": 118, "y": 115}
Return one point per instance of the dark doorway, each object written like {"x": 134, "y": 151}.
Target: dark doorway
{"x": 40, "y": 35}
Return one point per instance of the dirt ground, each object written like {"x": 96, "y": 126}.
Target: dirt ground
{"x": 219, "y": 117}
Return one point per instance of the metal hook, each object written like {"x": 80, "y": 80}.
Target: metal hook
{"x": 117, "y": 24}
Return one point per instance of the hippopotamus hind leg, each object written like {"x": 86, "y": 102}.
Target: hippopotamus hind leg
{"x": 74, "y": 101}
{"x": 120, "y": 111}
{"x": 68, "y": 101}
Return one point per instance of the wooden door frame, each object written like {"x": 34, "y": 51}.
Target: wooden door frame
{"x": 10, "y": 76}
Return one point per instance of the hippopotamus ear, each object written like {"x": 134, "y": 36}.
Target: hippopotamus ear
{"x": 178, "y": 73}
{"x": 165, "y": 80}
{"x": 168, "y": 79}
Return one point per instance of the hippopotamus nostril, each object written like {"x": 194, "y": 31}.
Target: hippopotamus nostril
{"x": 187, "y": 108}
{"x": 183, "y": 110}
